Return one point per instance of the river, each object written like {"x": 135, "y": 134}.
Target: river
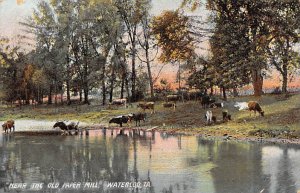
{"x": 147, "y": 162}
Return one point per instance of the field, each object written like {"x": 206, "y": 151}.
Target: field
{"x": 282, "y": 116}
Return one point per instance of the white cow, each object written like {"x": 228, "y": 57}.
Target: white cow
{"x": 208, "y": 116}
{"x": 241, "y": 105}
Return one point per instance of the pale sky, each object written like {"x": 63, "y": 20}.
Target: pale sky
{"x": 14, "y": 11}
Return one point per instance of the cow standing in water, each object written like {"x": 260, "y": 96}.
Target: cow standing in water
{"x": 8, "y": 125}
{"x": 67, "y": 128}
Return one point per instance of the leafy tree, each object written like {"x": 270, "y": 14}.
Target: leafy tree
{"x": 171, "y": 30}
{"x": 131, "y": 13}
{"x": 283, "y": 38}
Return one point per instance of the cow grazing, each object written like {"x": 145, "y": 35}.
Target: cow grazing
{"x": 173, "y": 98}
{"x": 206, "y": 101}
{"x": 8, "y": 125}
{"x": 241, "y": 105}
{"x": 148, "y": 105}
{"x": 169, "y": 105}
{"x": 226, "y": 116}
{"x": 137, "y": 117}
{"x": 216, "y": 105}
{"x": 119, "y": 102}
{"x": 119, "y": 120}
{"x": 254, "y": 106}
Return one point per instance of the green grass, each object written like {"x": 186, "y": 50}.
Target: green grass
{"x": 280, "y": 114}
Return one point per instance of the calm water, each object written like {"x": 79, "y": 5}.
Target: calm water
{"x": 170, "y": 163}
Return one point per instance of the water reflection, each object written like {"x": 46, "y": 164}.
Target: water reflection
{"x": 171, "y": 163}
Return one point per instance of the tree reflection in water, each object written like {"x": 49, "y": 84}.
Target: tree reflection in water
{"x": 172, "y": 163}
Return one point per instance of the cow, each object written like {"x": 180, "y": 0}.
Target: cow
{"x": 170, "y": 105}
{"x": 174, "y": 98}
{"x": 8, "y": 125}
{"x": 137, "y": 117}
{"x": 216, "y": 105}
{"x": 209, "y": 117}
{"x": 226, "y": 116}
{"x": 254, "y": 106}
{"x": 206, "y": 101}
{"x": 148, "y": 105}
{"x": 120, "y": 120}
{"x": 119, "y": 102}
{"x": 241, "y": 105}
{"x": 67, "y": 127}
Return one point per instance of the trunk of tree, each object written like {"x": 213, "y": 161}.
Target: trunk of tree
{"x": 224, "y": 94}
{"x": 127, "y": 88}
{"x": 284, "y": 79}
{"x": 50, "y": 95}
{"x": 211, "y": 90}
{"x": 86, "y": 95}
{"x": 149, "y": 65}
{"x": 112, "y": 84}
{"x": 27, "y": 100}
{"x": 285, "y": 68}
{"x": 257, "y": 82}
{"x": 133, "y": 76}
{"x": 80, "y": 95}
{"x": 68, "y": 86}
{"x": 55, "y": 92}
{"x": 122, "y": 87}
{"x": 62, "y": 97}
{"x": 179, "y": 78}
{"x": 150, "y": 75}
{"x": 68, "y": 93}
{"x": 103, "y": 87}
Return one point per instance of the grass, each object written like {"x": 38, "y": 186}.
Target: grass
{"x": 281, "y": 114}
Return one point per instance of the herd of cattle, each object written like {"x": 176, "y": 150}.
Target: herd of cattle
{"x": 207, "y": 102}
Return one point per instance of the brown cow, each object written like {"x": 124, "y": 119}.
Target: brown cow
{"x": 8, "y": 125}
{"x": 254, "y": 106}
{"x": 119, "y": 102}
{"x": 170, "y": 105}
{"x": 148, "y": 105}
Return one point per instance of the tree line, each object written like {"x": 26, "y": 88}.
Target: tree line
{"x": 111, "y": 46}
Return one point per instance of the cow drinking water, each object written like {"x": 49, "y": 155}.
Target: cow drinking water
{"x": 67, "y": 127}
{"x": 8, "y": 125}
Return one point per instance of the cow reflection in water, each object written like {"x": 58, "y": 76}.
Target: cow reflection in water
{"x": 72, "y": 126}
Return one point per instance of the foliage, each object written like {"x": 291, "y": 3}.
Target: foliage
{"x": 171, "y": 29}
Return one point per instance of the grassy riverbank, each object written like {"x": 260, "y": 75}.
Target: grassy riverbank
{"x": 282, "y": 116}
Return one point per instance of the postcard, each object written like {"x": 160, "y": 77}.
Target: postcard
{"x": 149, "y": 96}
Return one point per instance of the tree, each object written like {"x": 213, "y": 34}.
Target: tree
{"x": 147, "y": 44}
{"x": 171, "y": 30}
{"x": 131, "y": 13}
{"x": 283, "y": 37}
{"x": 238, "y": 41}
{"x": 74, "y": 39}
